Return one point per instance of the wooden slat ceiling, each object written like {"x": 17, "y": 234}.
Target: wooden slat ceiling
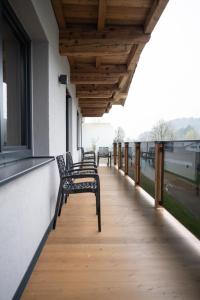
{"x": 103, "y": 40}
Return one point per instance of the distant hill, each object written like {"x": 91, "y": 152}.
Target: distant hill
{"x": 183, "y": 129}
{"x": 181, "y": 123}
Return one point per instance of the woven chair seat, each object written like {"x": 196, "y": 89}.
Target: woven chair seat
{"x": 80, "y": 186}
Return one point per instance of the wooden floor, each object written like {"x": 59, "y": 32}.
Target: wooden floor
{"x": 139, "y": 254}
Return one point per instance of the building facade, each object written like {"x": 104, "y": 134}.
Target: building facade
{"x": 39, "y": 118}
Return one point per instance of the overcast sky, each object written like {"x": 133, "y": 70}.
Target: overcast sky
{"x": 166, "y": 84}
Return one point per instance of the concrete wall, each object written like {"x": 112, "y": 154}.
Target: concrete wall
{"x": 27, "y": 204}
{"x": 26, "y": 209}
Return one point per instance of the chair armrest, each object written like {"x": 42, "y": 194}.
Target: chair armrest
{"x": 84, "y": 165}
{"x": 89, "y": 152}
{"x": 82, "y": 170}
{"x": 79, "y": 176}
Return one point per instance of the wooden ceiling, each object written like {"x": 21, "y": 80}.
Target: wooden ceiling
{"x": 103, "y": 40}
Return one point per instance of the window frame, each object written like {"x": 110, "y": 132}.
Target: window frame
{"x": 11, "y": 153}
{"x": 78, "y": 131}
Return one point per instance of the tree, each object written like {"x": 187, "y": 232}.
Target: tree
{"x": 190, "y": 133}
{"x": 144, "y": 136}
{"x": 119, "y": 135}
{"x": 162, "y": 131}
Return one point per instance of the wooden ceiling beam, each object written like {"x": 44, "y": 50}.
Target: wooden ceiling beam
{"x": 87, "y": 49}
{"x": 130, "y": 3}
{"x": 111, "y": 3}
{"x": 110, "y": 41}
{"x": 118, "y": 70}
{"x": 154, "y": 15}
{"x": 94, "y": 87}
{"x": 58, "y": 9}
{"x": 92, "y": 115}
{"x": 91, "y": 100}
{"x": 101, "y": 23}
{"x": 93, "y": 78}
{"x": 82, "y": 2}
{"x": 93, "y": 105}
{"x": 134, "y": 56}
{"x": 133, "y": 34}
{"x": 101, "y": 14}
{"x": 94, "y": 94}
{"x": 94, "y": 110}
{"x": 99, "y": 102}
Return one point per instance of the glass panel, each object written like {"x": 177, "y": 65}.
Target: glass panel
{"x": 123, "y": 158}
{"x": 182, "y": 183}
{"x": 131, "y": 160}
{"x": 147, "y": 162}
{"x": 14, "y": 70}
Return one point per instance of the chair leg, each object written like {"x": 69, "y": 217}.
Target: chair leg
{"x": 96, "y": 204}
{"x": 66, "y": 196}
{"x": 61, "y": 203}
{"x": 99, "y": 209}
{"x": 57, "y": 206}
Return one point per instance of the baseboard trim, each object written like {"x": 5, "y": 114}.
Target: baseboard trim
{"x": 32, "y": 264}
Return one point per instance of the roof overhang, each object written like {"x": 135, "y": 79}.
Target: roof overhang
{"x": 103, "y": 40}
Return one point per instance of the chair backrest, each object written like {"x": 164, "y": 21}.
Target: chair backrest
{"x": 61, "y": 165}
{"x": 104, "y": 151}
{"x": 82, "y": 153}
{"x": 69, "y": 160}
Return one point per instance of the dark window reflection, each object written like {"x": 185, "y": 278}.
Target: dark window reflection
{"x": 13, "y": 87}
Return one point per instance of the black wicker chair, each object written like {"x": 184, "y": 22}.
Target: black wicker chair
{"x": 82, "y": 164}
{"x": 104, "y": 153}
{"x": 88, "y": 156}
{"x": 68, "y": 186}
{"x": 86, "y": 168}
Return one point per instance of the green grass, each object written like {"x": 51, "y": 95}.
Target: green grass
{"x": 148, "y": 185}
{"x": 175, "y": 208}
{"x": 182, "y": 214}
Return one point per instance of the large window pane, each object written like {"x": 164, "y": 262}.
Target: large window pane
{"x": 14, "y": 87}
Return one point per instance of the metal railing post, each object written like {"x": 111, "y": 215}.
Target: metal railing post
{"x": 115, "y": 153}
{"x": 159, "y": 173}
{"x": 137, "y": 163}
{"x": 119, "y": 155}
{"x": 126, "y": 157}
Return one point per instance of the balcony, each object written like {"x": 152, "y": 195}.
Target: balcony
{"x": 141, "y": 253}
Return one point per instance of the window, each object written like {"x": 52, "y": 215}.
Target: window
{"x": 14, "y": 86}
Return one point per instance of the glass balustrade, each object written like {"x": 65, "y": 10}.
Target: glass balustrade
{"x": 147, "y": 167}
{"x": 181, "y": 193}
{"x": 131, "y": 160}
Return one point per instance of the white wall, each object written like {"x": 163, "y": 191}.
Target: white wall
{"x": 102, "y": 134}
{"x": 57, "y": 99}
{"x": 26, "y": 209}
{"x": 27, "y": 204}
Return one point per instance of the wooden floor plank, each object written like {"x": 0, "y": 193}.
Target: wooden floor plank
{"x": 138, "y": 256}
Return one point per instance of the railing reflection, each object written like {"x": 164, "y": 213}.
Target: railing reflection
{"x": 147, "y": 165}
{"x": 131, "y": 160}
{"x": 181, "y": 182}
{"x": 170, "y": 173}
